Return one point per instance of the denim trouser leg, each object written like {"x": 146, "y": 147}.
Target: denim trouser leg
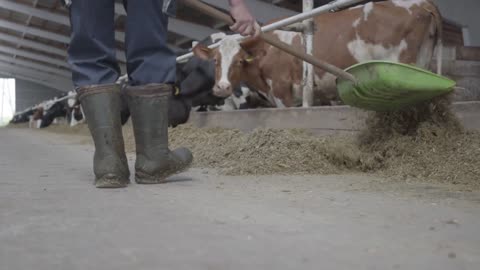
{"x": 92, "y": 47}
{"x": 148, "y": 56}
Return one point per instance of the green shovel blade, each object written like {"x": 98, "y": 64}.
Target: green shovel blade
{"x": 386, "y": 86}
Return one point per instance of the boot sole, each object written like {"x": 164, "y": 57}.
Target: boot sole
{"x": 145, "y": 179}
{"x": 111, "y": 181}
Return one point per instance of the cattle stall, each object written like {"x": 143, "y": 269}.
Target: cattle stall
{"x": 304, "y": 17}
{"x": 461, "y": 63}
{"x": 463, "y": 69}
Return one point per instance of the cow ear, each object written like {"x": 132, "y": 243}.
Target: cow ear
{"x": 252, "y": 58}
{"x": 251, "y": 43}
{"x": 254, "y": 47}
{"x": 203, "y": 52}
{"x": 257, "y": 55}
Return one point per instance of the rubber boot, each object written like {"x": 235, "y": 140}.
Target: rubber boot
{"x": 101, "y": 106}
{"x": 149, "y": 110}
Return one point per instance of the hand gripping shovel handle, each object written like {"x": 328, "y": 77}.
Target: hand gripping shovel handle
{"x": 274, "y": 42}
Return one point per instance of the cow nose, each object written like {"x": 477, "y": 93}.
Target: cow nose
{"x": 224, "y": 86}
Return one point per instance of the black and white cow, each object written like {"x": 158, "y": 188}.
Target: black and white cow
{"x": 22, "y": 117}
{"x": 74, "y": 110}
{"x": 58, "y": 109}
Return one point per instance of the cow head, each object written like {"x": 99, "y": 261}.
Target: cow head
{"x": 38, "y": 114}
{"x": 233, "y": 62}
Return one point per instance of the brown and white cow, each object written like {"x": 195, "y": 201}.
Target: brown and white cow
{"x": 398, "y": 30}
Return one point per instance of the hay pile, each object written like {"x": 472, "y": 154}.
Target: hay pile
{"x": 261, "y": 152}
{"x": 425, "y": 143}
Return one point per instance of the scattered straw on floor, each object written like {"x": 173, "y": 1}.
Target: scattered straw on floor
{"x": 426, "y": 142}
{"x": 65, "y": 129}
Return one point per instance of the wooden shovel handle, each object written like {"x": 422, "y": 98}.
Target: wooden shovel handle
{"x": 308, "y": 58}
{"x": 211, "y": 11}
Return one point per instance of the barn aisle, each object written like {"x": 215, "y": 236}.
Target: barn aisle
{"x": 51, "y": 217}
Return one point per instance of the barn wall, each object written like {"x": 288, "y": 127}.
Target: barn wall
{"x": 464, "y": 12}
{"x": 29, "y": 94}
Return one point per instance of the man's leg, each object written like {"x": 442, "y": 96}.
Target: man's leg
{"x": 95, "y": 70}
{"x": 151, "y": 67}
{"x": 92, "y": 47}
{"x": 149, "y": 58}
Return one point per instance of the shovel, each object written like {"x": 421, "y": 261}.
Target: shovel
{"x": 373, "y": 85}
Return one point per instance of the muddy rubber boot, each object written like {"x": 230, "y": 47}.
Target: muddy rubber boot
{"x": 149, "y": 111}
{"x": 101, "y": 105}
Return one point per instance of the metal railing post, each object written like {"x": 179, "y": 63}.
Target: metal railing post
{"x": 308, "y": 71}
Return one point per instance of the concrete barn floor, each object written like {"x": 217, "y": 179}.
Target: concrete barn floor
{"x": 51, "y": 217}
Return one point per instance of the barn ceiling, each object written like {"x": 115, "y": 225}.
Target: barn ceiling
{"x": 34, "y": 35}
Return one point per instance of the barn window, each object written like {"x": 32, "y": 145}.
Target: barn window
{"x": 7, "y": 100}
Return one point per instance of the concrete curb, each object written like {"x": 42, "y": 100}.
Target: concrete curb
{"x": 320, "y": 120}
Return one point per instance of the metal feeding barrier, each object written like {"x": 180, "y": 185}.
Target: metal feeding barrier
{"x": 330, "y": 7}
{"x": 308, "y": 13}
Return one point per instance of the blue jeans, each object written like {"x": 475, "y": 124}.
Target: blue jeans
{"x": 92, "y": 48}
